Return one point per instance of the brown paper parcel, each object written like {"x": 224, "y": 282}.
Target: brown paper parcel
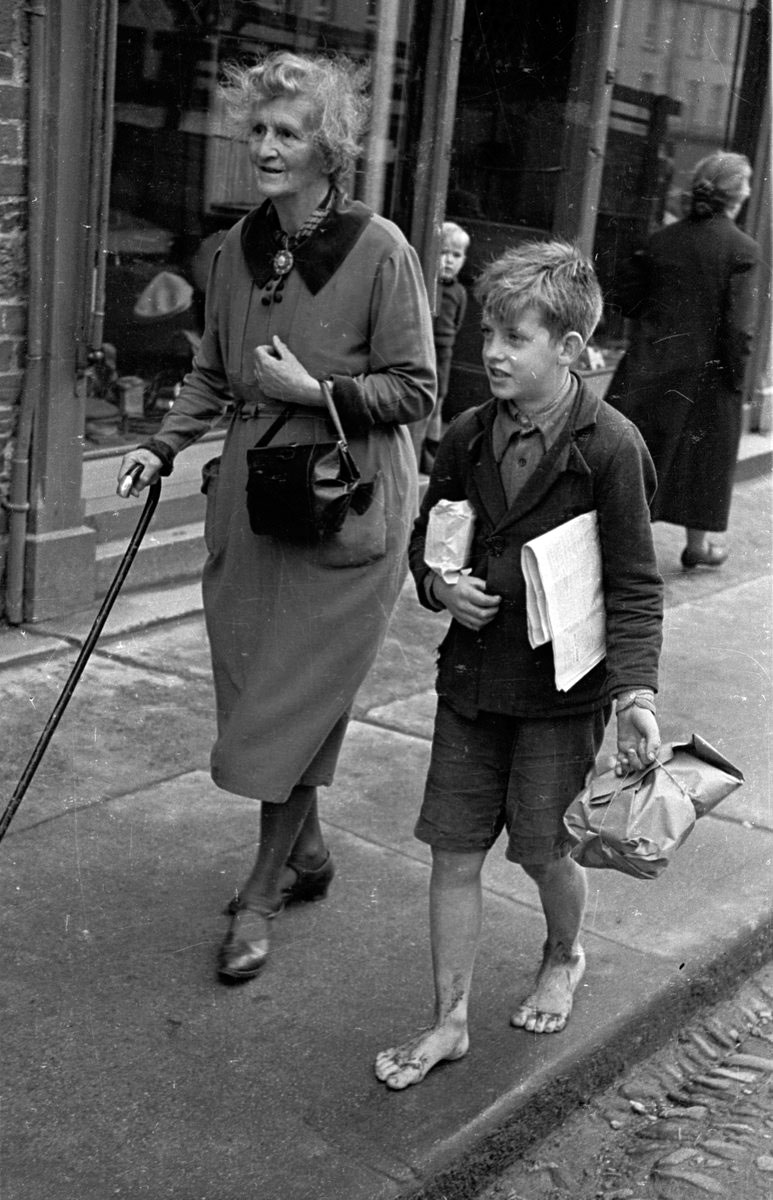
{"x": 635, "y": 824}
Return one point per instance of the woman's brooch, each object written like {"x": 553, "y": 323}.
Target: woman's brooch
{"x": 282, "y": 262}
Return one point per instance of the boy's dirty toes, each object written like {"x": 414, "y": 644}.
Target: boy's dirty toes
{"x": 548, "y": 1007}
{"x": 402, "y": 1066}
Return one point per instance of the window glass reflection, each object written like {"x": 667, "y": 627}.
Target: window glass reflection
{"x": 178, "y": 182}
{"x": 523, "y": 140}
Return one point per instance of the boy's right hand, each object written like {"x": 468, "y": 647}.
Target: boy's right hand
{"x": 467, "y": 600}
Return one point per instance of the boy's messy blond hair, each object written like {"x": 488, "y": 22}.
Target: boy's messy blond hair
{"x": 553, "y": 277}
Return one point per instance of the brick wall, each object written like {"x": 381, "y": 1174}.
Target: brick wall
{"x": 13, "y": 222}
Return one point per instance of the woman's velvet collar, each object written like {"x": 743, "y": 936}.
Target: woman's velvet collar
{"x": 316, "y": 259}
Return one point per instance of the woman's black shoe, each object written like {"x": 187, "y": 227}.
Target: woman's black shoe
{"x": 245, "y": 947}
{"x": 712, "y": 556}
{"x": 309, "y": 885}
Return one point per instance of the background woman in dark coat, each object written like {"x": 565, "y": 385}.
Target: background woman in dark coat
{"x": 692, "y": 298}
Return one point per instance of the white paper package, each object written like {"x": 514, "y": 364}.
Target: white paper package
{"x": 449, "y": 538}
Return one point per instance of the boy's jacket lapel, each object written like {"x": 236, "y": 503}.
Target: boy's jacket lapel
{"x": 488, "y": 494}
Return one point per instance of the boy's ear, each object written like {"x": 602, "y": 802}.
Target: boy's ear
{"x": 570, "y": 348}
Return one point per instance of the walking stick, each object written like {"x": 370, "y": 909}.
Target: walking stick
{"x": 34, "y": 761}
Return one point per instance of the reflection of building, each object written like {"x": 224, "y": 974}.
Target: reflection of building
{"x": 567, "y": 115}
{"x": 692, "y": 52}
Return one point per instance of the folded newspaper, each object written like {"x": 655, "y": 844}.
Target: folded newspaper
{"x": 564, "y": 597}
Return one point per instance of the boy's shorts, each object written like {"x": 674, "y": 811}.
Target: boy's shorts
{"x": 496, "y": 771}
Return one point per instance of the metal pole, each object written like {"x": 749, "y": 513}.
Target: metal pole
{"x": 383, "y": 84}
{"x": 598, "y": 124}
{"x": 102, "y": 204}
{"x": 436, "y": 135}
{"x": 18, "y": 498}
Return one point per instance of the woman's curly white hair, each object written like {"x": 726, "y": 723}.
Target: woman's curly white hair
{"x": 334, "y": 87}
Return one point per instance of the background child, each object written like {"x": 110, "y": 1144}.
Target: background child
{"x": 510, "y": 751}
{"x": 450, "y": 308}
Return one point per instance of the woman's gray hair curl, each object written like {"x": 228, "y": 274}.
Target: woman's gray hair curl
{"x": 334, "y": 87}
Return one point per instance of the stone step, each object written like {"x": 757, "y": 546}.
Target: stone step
{"x": 165, "y": 556}
{"x": 181, "y": 500}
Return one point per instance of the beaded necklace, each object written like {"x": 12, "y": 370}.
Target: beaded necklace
{"x": 283, "y": 260}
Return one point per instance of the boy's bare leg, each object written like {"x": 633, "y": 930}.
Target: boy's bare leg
{"x": 455, "y": 906}
{"x": 563, "y": 891}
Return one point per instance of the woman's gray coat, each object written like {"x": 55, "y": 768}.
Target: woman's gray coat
{"x": 294, "y": 629}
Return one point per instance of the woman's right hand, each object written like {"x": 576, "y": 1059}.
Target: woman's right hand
{"x": 130, "y": 484}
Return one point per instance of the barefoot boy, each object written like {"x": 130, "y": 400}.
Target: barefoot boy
{"x": 510, "y": 751}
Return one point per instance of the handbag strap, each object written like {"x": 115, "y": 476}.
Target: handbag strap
{"x": 276, "y": 425}
{"x": 327, "y": 396}
{"x": 290, "y": 409}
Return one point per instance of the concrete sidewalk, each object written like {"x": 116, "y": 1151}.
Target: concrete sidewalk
{"x": 130, "y": 1071}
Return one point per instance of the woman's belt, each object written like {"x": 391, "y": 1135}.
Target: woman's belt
{"x": 306, "y": 424}
{"x": 251, "y": 408}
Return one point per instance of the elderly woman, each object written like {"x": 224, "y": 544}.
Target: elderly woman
{"x": 692, "y": 297}
{"x": 310, "y": 287}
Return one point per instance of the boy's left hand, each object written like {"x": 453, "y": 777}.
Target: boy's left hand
{"x": 638, "y": 740}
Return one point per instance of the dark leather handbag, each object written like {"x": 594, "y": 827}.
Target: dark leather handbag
{"x": 303, "y": 492}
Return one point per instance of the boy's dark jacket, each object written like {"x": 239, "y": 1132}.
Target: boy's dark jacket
{"x": 598, "y": 462}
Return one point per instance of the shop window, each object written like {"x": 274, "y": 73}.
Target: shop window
{"x": 661, "y": 123}
{"x": 529, "y": 77}
{"x": 513, "y": 84}
{"x": 724, "y": 36}
{"x": 178, "y": 182}
{"x": 693, "y": 103}
{"x": 717, "y": 112}
{"x": 652, "y": 26}
{"x": 697, "y": 38}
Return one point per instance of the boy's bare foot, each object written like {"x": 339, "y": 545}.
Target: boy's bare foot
{"x": 404, "y": 1065}
{"x": 548, "y": 1007}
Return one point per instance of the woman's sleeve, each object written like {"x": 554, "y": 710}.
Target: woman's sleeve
{"x": 204, "y": 392}
{"x": 401, "y": 384}
{"x": 739, "y": 316}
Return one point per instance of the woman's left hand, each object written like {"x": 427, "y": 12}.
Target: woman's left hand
{"x": 282, "y": 376}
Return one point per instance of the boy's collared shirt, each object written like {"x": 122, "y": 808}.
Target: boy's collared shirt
{"x": 520, "y": 441}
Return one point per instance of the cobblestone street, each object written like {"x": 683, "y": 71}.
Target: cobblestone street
{"x": 695, "y": 1119}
